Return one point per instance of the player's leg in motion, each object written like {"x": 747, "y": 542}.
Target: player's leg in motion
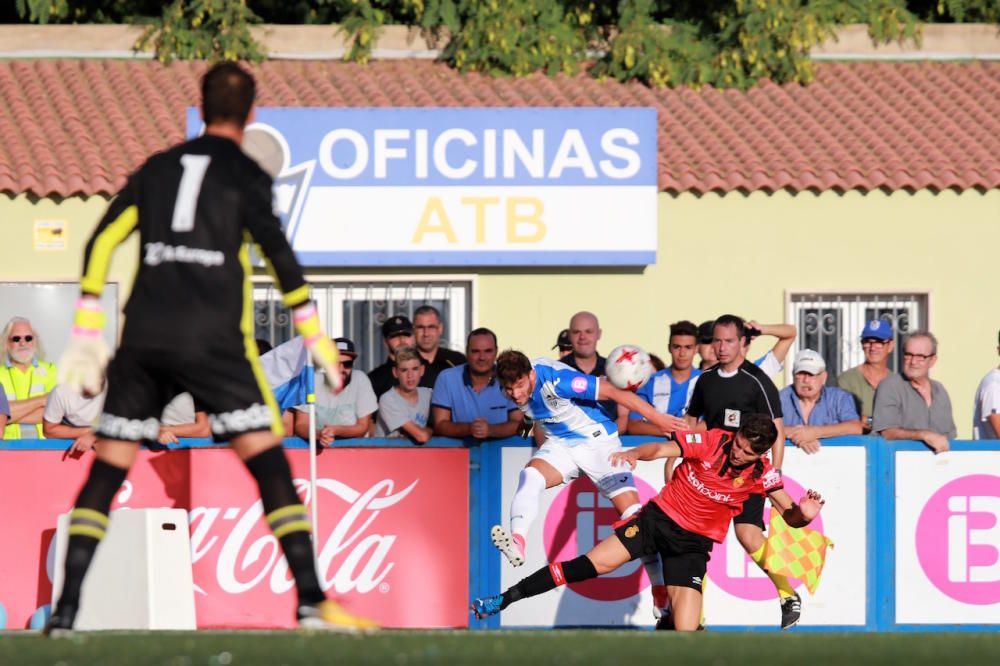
{"x": 751, "y": 537}
{"x": 627, "y": 504}
{"x": 532, "y": 481}
{"x": 602, "y": 558}
{"x": 88, "y": 524}
{"x": 288, "y": 518}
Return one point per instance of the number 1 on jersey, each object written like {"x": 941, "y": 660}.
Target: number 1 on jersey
{"x": 195, "y": 167}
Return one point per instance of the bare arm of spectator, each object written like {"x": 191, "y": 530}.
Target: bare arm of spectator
{"x": 785, "y": 334}
{"x": 444, "y": 426}
{"x": 937, "y": 442}
{"x": 509, "y": 428}
{"x": 416, "y": 433}
{"x": 200, "y": 427}
{"x": 29, "y": 410}
{"x": 357, "y": 429}
{"x": 994, "y": 421}
{"x": 807, "y": 437}
{"x": 622, "y": 421}
{"x": 288, "y": 422}
{"x": 63, "y": 431}
{"x": 3, "y": 424}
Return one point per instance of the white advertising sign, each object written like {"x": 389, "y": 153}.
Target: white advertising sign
{"x": 947, "y": 537}
{"x": 460, "y": 187}
{"x": 573, "y": 518}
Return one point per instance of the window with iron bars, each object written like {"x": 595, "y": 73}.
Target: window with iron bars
{"x": 831, "y": 324}
{"x": 356, "y": 310}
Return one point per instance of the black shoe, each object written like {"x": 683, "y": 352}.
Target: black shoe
{"x": 791, "y": 611}
{"x": 665, "y": 622}
{"x": 60, "y": 624}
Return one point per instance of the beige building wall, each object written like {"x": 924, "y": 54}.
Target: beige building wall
{"x": 717, "y": 253}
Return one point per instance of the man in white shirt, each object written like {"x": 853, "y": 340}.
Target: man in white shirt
{"x": 347, "y": 414}
{"x": 69, "y": 415}
{"x": 986, "y": 412}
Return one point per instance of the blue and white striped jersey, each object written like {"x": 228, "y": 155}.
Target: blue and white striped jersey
{"x": 563, "y": 403}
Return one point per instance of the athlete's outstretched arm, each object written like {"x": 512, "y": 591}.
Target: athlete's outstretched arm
{"x": 797, "y": 515}
{"x": 632, "y": 402}
{"x": 650, "y": 451}
{"x": 119, "y": 221}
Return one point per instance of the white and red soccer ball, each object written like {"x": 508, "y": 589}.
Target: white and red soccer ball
{"x": 628, "y": 367}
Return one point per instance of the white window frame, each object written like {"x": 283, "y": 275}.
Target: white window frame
{"x": 853, "y": 303}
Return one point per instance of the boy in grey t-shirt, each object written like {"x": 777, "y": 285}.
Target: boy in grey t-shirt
{"x": 403, "y": 410}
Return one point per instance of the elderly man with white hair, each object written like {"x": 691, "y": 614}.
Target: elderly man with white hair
{"x": 26, "y": 379}
{"x": 814, "y": 410}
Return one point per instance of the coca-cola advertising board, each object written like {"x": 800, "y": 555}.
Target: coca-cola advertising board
{"x": 393, "y": 527}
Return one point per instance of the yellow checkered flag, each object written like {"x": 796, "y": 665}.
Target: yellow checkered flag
{"x": 796, "y": 552}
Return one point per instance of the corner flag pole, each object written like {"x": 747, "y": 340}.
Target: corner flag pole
{"x": 313, "y": 499}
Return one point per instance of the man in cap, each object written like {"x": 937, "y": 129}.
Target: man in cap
{"x": 813, "y": 410}
{"x": 343, "y": 415}
{"x": 861, "y": 381}
{"x": 563, "y": 343}
{"x": 397, "y": 331}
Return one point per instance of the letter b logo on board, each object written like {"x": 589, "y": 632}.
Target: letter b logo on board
{"x": 958, "y": 539}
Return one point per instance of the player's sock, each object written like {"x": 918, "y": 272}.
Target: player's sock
{"x": 524, "y": 506}
{"x": 288, "y": 519}
{"x": 88, "y": 523}
{"x": 785, "y": 588}
{"x": 549, "y": 578}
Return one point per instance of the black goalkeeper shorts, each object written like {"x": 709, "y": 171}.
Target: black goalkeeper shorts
{"x": 227, "y": 384}
{"x": 685, "y": 554}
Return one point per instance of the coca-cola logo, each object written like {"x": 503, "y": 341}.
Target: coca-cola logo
{"x": 353, "y": 556}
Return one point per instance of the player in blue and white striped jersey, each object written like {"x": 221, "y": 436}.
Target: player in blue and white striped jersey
{"x": 579, "y": 437}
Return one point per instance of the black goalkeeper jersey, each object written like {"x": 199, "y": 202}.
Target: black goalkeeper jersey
{"x": 196, "y": 207}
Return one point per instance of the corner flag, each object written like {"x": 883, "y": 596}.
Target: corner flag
{"x": 795, "y": 552}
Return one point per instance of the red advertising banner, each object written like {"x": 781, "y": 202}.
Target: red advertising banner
{"x": 393, "y": 527}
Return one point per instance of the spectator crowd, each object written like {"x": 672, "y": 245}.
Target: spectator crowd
{"x": 425, "y": 389}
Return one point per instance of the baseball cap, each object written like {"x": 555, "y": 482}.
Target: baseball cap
{"x": 346, "y": 347}
{"x": 879, "y": 329}
{"x": 396, "y": 325}
{"x": 806, "y": 360}
{"x": 706, "y": 332}
{"x": 562, "y": 341}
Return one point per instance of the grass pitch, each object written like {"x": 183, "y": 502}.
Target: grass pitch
{"x": 558, "y": 647}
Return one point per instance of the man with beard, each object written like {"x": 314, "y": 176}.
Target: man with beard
{"x": 26, "y": 380}
{"x": 343, "y": 415}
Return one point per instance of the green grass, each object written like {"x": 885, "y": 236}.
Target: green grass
{"x": 559, "y": 648}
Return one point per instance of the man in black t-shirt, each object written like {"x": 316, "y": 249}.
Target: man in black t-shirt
{"x": 428, "y": 328}
{"x": 724, "y": 397}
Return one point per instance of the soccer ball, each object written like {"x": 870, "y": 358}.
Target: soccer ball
{"x": 628, "y": 367}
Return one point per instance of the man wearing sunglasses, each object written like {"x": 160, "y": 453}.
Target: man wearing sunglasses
{"x": 344, "y": 415}
{"x": 911, "y": 405}
{"x": 862, "y": 380}
{"x": 26, "y": 380}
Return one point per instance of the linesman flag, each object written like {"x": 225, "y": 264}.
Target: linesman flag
{"x": 796, "y": 552}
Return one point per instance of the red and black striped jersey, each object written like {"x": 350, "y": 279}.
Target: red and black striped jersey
{"x": 196, "y": 207}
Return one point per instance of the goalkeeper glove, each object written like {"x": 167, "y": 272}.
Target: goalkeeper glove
{"x": 82, "y": 365}
{"x": 322, "y": 350}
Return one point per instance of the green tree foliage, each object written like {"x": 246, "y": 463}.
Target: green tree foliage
{"x": 724, "y": 43}
{"x": 203, "y": 29}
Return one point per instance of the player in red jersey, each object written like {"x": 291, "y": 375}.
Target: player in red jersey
{"x": 720, "y": 471}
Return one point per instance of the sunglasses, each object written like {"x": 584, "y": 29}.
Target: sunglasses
{"x": 18, "y": 338}
{"x": 347, "y": 364}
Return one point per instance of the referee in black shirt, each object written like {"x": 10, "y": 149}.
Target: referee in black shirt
{"x": 724, "y": 397}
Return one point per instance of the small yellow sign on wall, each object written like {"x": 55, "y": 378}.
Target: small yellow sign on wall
{"x": 51, "y": 235}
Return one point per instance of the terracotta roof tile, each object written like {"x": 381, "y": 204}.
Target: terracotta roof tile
{"x": 79, "y": 126}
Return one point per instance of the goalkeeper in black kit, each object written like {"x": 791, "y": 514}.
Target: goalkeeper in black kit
{"x": 189, "y": 327}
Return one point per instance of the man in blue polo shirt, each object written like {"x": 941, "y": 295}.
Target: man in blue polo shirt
{"x": 468, "y": 401}
{"x": 813, "y": 410}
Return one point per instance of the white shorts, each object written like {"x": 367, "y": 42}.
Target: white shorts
{"x": 590, "y": 456}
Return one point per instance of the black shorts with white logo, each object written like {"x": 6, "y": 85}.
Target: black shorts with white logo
{"x": 685, "y": 554}
{"x": 223, "y": 383}
{"x": 752, "y": 513}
